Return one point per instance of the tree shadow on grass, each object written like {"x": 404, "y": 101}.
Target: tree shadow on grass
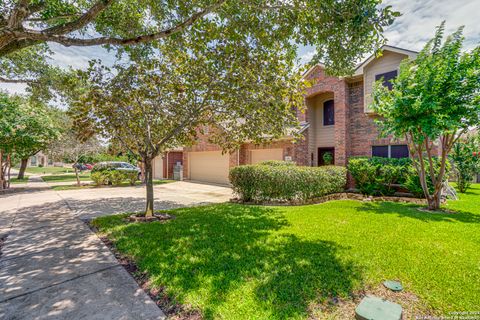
{"x": 212, "y": 252}
{"x": 412, "y": 211}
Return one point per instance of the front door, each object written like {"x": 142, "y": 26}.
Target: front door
{"x": 322, "y": 156}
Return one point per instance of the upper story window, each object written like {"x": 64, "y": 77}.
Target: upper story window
{"x": 387, "y": 77}
{"x": 396, "y": 151}
{"x": 328, "y": 113}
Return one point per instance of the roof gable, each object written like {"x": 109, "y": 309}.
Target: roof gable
{"x": 359, "y": 68}
{"x": 408, "y": 53}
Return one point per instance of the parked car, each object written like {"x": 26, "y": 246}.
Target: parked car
{"x": 115, "y": 165}
{"x": 79, "y": 166}
{"x": 89, "y": 166}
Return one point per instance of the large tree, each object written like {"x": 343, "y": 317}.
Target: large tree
{"x": 434, "y": 101}
{"x": 341, "y": 30}
{"x": 164, "y": 102}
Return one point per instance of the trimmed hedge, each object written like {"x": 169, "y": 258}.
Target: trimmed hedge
{"x": 265, "y": 182}
{"x": 277, "y": 163}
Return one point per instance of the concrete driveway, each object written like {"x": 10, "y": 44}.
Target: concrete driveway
{"x": 53, "y": 267}
{"x": 90, "y": 203}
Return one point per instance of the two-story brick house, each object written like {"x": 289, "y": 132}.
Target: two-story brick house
{"x": 337, "y": 120}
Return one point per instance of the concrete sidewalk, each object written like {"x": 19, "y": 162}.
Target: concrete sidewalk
{"x": 53, "y": 267}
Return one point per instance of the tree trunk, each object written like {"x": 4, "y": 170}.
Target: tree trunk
{"x": 76, "y": 174}
{"x": 149, "y": 185}
{"x": 434, "y": 200}
{"x": 23, "y": 167}
{"x": 9, "y": 166}
{"x": 2, "y": 186}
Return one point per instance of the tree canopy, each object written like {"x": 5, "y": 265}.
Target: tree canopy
{"x": 341, "y": 31}
{"x": 435, "y": 99}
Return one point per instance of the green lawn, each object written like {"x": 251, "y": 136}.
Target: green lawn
{"x": 16, "y": 180}
{"x": 49, "y": 170}
{"x": 234, "y": 261}
{"x": 90, "y": 186}
{"x": 66, "y": 177}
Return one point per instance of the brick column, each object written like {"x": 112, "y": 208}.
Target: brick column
{"x": 185, "y": 164}
{"x": 342, "y": 141}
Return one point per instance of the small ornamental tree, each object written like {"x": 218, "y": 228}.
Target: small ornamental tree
{"x": 69, "y": 148}
{"x": 466, "y": 161}
{"x": 238, "y": 92}
{"x": 435, "y": 100}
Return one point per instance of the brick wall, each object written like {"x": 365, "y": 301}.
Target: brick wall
{"x": 363, "y": 131}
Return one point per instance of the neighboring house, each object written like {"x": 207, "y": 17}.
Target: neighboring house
{"x": 337, "y": 120}
{"x": 39, "y": 159}
{"x": 42, "y": 160}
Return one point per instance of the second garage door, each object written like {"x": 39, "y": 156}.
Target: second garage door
{"x": 209, "y": 166}
{"x": 260, "y": 155}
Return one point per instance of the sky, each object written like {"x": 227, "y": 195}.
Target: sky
{"x": 409, "y": 31}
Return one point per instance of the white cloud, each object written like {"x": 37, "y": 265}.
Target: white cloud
{"x": 420, "y": 17}
{"x": 78, "y": 57}
{"x": 418, "y": 21}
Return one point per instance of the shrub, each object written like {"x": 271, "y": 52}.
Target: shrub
{"x": 466, "y": 161}
{"x": 375, "y": 177}
{"x": 116, "y": 177}
{"x": 99, "y": 178}
{"x": 286, "y": 182}
{"x": 378, "y": 176}
{"x": 107, "y": 175}
{"x": 131, "y": 176}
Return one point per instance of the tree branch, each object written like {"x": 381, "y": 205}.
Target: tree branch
{"x": 82, "y": 21}
{"x": 30, "y": 37}
{"x": 27, "y": 81}
{"x": 19, "y": 13}
{"x": 67, "y": 16}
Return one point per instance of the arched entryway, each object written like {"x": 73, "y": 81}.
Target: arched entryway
{"x": 321, "y": 111}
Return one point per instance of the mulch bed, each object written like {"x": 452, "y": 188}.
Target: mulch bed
{"x": 172, "y": 309}
{"x": 335, "y": 196}
{"x": 155, "y": 217}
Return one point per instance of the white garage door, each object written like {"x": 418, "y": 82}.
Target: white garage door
{"x": 209, "y": 166}
{"x": 266, "y": 154}
{"x": 158, "y": 168}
